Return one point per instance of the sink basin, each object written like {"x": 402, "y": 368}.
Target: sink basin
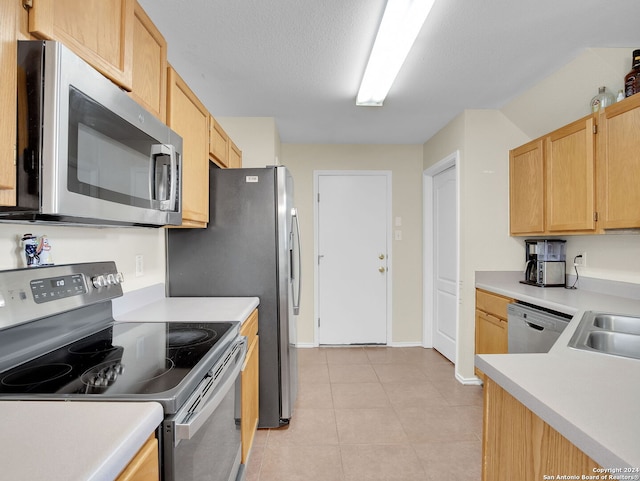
{"x": 616, "y": 343}
{"x": 616, "y": 335}
{"x": 609, "y": 322}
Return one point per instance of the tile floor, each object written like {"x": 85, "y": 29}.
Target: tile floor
{"x": 374, "y": 414}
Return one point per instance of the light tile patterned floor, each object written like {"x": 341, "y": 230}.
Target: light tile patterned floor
{"x": 374, "y": 414}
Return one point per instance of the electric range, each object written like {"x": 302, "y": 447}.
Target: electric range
{"x": 59, "y": 341}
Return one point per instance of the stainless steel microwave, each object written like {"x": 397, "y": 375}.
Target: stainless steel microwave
{"x": 86, "y": 152}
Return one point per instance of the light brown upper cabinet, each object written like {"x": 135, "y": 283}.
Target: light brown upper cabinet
{"x": 8, "y": 64}
{"x": 222, "y": 151}
{"x": 570, "y": 173}
{"x": 149, "y": 78}
{"x": 619, "y": 165}
{"x": 99, "y": 31}
{"x": 218, "y": 143}
{"x": 526, "y": 188}
{"x": 235, "y": 156}
{"x": 552, "y": 186}
{"x": 190, "y": 119}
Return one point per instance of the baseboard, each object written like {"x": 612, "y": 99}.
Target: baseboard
{"x": 404, "y": 344}
{"x": 469, "y": 381}
{"x": 305, "y": 345}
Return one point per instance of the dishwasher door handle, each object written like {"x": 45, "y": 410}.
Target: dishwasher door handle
{"x": 534, "y": 326}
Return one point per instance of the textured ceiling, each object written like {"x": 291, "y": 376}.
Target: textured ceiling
{"x": 301, "y": 61}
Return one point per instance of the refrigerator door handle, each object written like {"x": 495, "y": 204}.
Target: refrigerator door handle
{"x": 295, "y": 266}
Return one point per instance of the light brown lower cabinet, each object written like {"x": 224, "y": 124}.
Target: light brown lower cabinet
{"x": 144, "y": 466}
{"x": 249, "y": 404}
{"x": 517, "y": 444}
{"x": 492, "y": 328}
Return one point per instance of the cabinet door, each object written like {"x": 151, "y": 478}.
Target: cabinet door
{"x": 250, "y": 385}
{"x": 8, "y": 65}
{"x": 570, "y": 172}
{"x": 491, "y": 334}
{"x": 235, "y": 156}
{"x": 190, "y": 119}
{"x": 149, "y": 70}
{"x": 99, "y": 31}
{"x": 619, "y": 165}
{"x": 218, "y": 143}
{"x": 250, "y": 398}
{"x": 517, "y": 444}
{"x": 526, "y": 189}
{"x": 144, "y": 466}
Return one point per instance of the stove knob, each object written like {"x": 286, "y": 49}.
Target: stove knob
{"x": 99, "y": 281}
{"x": 111, "y": 280}
{"x": 119, "y": 278}
{"x": 111, "y": 375}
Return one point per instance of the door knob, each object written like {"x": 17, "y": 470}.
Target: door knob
{"x": 381, "y": 269}
{"x": 381, "y": 256}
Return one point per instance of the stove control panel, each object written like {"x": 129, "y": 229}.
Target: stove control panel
{"x": 37, "y": 292}
{"x": 45, "y": 290}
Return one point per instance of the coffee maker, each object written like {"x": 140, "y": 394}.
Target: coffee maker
{"x": 545, "y": 262}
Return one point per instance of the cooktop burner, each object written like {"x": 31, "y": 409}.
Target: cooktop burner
{"x": 125, "y": 358}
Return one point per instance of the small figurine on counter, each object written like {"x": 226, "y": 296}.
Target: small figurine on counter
{"x": 30, "y": 249}
{"x": 37, "y": 250}
{"x": 44, "y": 251}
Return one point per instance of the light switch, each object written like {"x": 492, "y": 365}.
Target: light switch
{"x": 398, "y": 235}
{"x": 398, "y": 221}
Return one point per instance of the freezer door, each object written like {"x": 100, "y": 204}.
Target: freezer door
{"x": 289, "y": 279}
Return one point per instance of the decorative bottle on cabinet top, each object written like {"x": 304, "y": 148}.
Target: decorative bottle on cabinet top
{"x": 632, "y": 79}
{"x": 603, "y": 99}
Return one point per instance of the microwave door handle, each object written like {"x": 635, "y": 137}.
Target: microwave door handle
{"x": 157, "y": 183}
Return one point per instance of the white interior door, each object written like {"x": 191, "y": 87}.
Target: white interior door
{"x": 445, "y": 262}
{"x": 353, "y": 223}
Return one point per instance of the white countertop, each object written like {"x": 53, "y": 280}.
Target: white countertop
{"x": 199, "y": 309}
{"x": 569, "y": 301}
{"x": 591, "y": 399}
{"x": 150, "y": 304}
{"x": 72, "y": 441}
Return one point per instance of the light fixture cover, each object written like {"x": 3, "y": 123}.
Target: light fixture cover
{"x": 400, "y": 25}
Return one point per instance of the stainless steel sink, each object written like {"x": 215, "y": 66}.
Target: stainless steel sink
{"x": 611, "y": 334}
{"x": 609, "y": 322}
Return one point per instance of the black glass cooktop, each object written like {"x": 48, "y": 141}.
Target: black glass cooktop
{"x": 127, "y": 358}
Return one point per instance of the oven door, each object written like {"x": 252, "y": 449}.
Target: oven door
{"x": 202, "y": 440}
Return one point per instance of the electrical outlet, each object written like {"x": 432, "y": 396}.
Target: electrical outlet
{"x": 139, "y": 266}
{"x": 581, "y": 261}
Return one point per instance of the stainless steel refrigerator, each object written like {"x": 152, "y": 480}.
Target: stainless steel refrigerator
{"x": 250, "y": 248}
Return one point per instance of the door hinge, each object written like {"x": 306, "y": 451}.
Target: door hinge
{"x": 27, "y": 4}
{"x": 595, "y": 129}
{"x": 595, "y": 217}
{"x": 318, "y": 197}
{"x": 318, "y": 322}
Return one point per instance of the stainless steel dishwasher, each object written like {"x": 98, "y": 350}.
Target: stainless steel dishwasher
{"x": 534, "y": 329}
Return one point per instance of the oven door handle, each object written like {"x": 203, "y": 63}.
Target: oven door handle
{"x": 194, "y": 421}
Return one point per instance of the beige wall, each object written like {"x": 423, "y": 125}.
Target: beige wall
{"x": 405, "y": 163}
{"x": 565, "y": 95}
{"x": 85, "y": 244}
{"x": 483, "y": 139}
{"x": 257, "y": 137}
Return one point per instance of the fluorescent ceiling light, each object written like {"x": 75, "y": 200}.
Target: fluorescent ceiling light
{"x": 400, "y": 25}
